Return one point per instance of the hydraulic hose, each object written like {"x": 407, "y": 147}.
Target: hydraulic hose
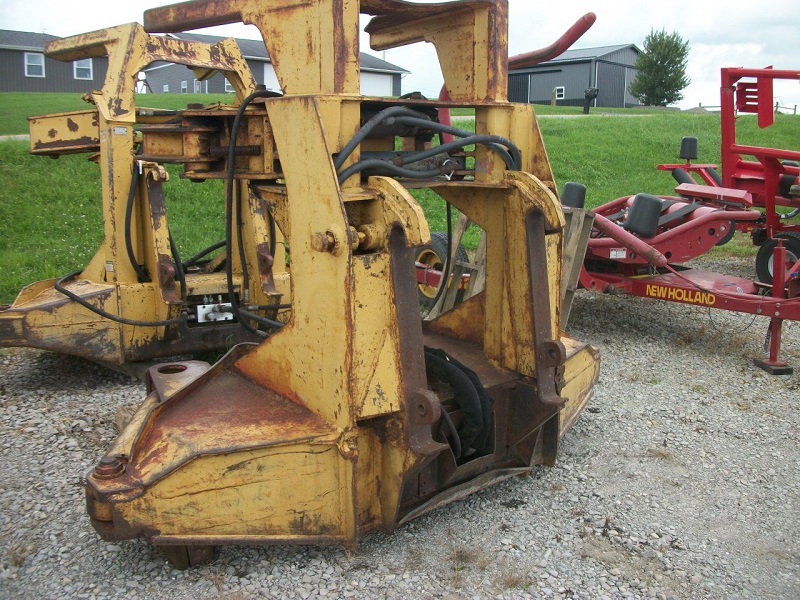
{"x": 446, "y": 267}
{"x": 202, "y": 254}
{"x": 362, "y": 133}
{"x": 241, "y": 315}
{"x": 465, "y": 396}
{"x": 447, "y": 129}
{"x": 141, "y": 274}
{"x": 485, "y": 400}
{"x": 385, "y": 165}
{"x": 176, "y": 257}
{"x": 59, "y": 286}
{"x": 397, "y": 169}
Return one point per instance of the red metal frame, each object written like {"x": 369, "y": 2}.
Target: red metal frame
{"x": 683, "y": 240}
{"x": 751, "y": 91}
{"x": 618, "y": 261}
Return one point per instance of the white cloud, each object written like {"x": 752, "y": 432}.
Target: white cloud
{"x": 720, "y": 33}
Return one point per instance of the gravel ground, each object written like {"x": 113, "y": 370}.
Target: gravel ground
{"x": 680, "y": 480}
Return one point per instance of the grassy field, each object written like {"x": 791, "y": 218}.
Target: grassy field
{"x": 15, "y": 108}
{"x": 50, "y": 221}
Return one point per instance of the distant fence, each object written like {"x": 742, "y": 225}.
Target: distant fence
{"x": 785, "y": 109}
{"x": 779, "y": 108}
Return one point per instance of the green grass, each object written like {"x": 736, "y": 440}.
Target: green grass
{"x": 15, "y": 108}
{"x": 50, "y": 210}
{"x": 51, "y": 217}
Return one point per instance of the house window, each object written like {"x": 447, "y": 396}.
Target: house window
{"x": 229, "y": 86}
{"x": 34, "y": 64}
{"x": 198, "y": 87}
{"x": 82, "y": 69}
{"x": 184, "y": 87}
{"x": 560, "y": 92}
{"x": 166, "y": 88}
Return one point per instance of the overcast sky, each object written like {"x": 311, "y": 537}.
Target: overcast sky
{"x": 720, "y": 32}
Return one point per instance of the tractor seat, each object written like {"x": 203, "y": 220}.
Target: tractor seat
{"x": 648, "y": 214}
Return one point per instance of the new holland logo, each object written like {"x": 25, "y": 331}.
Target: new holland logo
{"x": 678, "y": 295}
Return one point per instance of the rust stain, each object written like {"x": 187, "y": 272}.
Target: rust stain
{"x": 52, "y": 133}
{"x": 340, "y": 48}
{"x": 311, "y": 525}
{"x": 84, "y": 144}
{"x": 72, "y": 125}
{"x": 166, "y": 277}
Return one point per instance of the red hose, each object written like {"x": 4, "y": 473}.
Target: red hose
{"x": 570, "y": 36}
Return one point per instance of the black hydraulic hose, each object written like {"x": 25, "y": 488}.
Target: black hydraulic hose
{"x": 482, "y": 439}
{"x": 376, "y": 163}
{"x": 178, "y": 266}
{"x": 514, "y": 153}
{"x": 791, "y": 215}
{"x": 241, "y": 315}
{"x": 455, "y": 441}
{"x": 440, "y": 128}
{"x": 464, "y": 394}
{"x": 362, "y": 133}
{"x": 203, "y": 253}
{"x": 273, "y": 233}
{"x": 446, "y": 267}
{"x": 141, "y": 274}
{"x": 59, "y": 286}
{"x": 392, "y": 167}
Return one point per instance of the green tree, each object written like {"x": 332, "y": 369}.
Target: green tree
{"x": 661, "y": 69}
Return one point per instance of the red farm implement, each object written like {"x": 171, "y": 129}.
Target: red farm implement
{"x": 752, "y": 177}
{"x": 639, "y": 244}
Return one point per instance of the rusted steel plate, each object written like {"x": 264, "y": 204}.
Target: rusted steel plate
{"x": 65, "y": 133}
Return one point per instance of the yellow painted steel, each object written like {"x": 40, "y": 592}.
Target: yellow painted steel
{"x": 44, "y": 318}
{"x": 338, "y": 423}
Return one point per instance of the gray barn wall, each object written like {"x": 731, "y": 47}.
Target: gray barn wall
{"x": 518, "y": 87}
{"x": 58, "y": 75}
{"x": 614, "y": 81}
{"x": 611, "y": 85}
{"x": 575, "y": 78}
{"x": 612, "y": 75}
{"x": 630, "y": 75}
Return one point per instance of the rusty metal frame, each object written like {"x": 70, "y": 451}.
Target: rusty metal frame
{"x": 42, "y": 317}
{"x": 329, "y": 428}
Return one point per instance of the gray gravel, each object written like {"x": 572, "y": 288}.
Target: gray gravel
{"x": 679, "y": 481}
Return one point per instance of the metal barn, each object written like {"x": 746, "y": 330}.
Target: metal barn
{"x": 610, "y": 69}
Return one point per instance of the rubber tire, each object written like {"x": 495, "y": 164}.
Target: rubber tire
{"x": 791, "y": 241}
{"x": 436, "y": 249}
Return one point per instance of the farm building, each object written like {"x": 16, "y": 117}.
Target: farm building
{"x": 610, "y": 69}
{"x": 378, "y": 77}
{"x": 25, "y": 68}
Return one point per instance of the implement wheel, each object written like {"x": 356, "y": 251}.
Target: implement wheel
{"x": 433, "y": 255}
{"x": 764, "y": 258}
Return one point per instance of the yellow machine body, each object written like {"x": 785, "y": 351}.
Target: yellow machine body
{"x": 141, "y": 286}
{"x": 339, "y": 422}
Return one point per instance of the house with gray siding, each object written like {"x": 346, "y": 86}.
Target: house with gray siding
{"x": 25, "y": 68}
{"x": 378, "y": 77}
{"x": 610, "y": 69}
